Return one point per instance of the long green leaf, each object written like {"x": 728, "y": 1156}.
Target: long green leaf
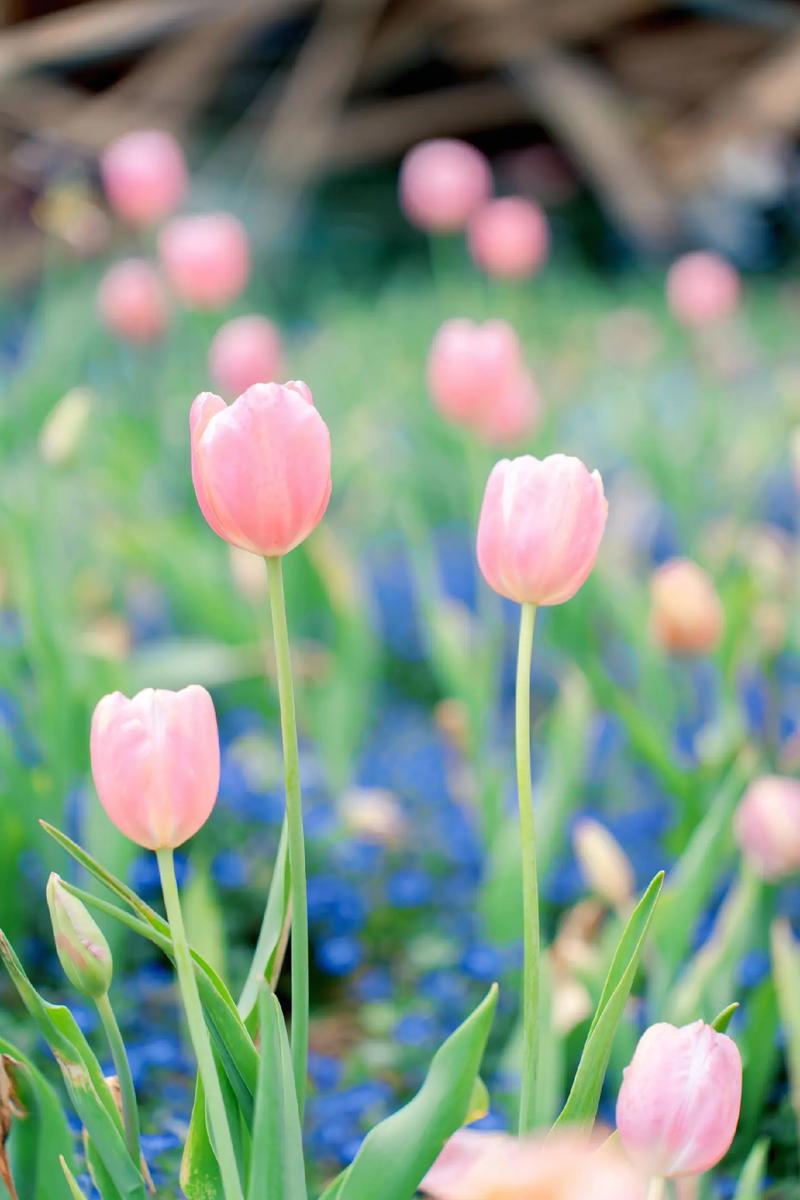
{"x": 751, "y": 1180}
{"x": 269, "y": 938}
{"x": 584, "y": 1096}
{"x": 396, "y": 1155}
{"x": 38, "y": 1141}
{"x": 277, "y": 1171}
{"x": 200, "y": 1177}
{"x": 786, "y": 972}
{"x": 70, "y": 1181}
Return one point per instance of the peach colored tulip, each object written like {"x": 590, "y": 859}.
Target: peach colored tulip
{"x": 442, "y": 182}
{"x": 509, "y": 238}
{"x": 131, "y": 301}
{"x": 470, "y": 364}
{"x": 495, "y": 1166}
{"x": 686, "y": 615}
{"x": 206, "y": 258}
{"x": 702, "y": 289}
{"x": 155, "y": 762}
{"x": 767, "y": 826}
{"x": 261, "y": 467}
{"x": 144, "y": 175}
{"x": 245, "y": 351}
{"x": 679, "y": 1103}
{"x": 540, "y": 527}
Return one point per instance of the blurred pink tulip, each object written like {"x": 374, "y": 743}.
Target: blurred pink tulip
{"x": 540, "y": 527}
{"x": 144, "y": 175}
{"x": 442, "y": 182}
{"x": 686, "y": 615}
{"x": 679, "y": 1103}
{"x": 767, "y": 826}
{"x": 702, "y": 289}
{"x": 496, "y": 1166}
{"x": 512, "y": 414}
{"x": 245, "y": 351}
{"x": 206, "y": 258}
{"x": 131, "y": 301}
{"x": 155, "y": 762}
{"x": 261, "y": 467}
{"x": 509, "y": 238}
{"x": 469, "y": 364}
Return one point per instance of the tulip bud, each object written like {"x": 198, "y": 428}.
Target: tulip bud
{"x": 261, "y": 467}
{"x": 513, "y": 414}
{"x": 686, "y": 615}
{"x": 469, "y": 365}
{"x": 540, "y": 528}
{"x": 767, "y": 826}
{"x": 144, "y": 175}
{"x": 702, "y": 289}
{"x": 679, "y": 1103}
{"x": 206, "y": 258}
{"x": 245, "y": 351}
{"x": 155, "y": 762}
{"x": 604, "y": 863}
{"x": 509, "y": 238}
{"x": 64, "y": 426}
{"x": 131, "y": 301}
{"x": 442, "y": 182}
{"x": 82, "y": 949}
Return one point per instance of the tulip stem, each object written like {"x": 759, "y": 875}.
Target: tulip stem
{"x": 130, "y": 1111}
{"x": 657, "y": 1189}
{"x": 530, "y": 885}
{"x": 198, "y": 1032}
{"x": 294, "y": 825}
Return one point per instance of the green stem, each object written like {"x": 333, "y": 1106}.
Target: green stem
{"x": 130, "y": 1111}
{"x": 201, "y": 1044}
{"x": 530, "y": 886}
{"x": 294, "y": 825}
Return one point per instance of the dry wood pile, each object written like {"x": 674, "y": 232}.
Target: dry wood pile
{"x": 655, "y": 103}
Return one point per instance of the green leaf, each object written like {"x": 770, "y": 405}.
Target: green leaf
{"x": 276, "y": 912}
{"x": 786, "y": 972}
{"x": 203, "y": 917}
{"x": 395, "y": 1155}
{"x": 200, "y": 1178}
{"x": 584, "y": 1096}
{"x": 37, "y": 1141}
{"x": 69, "y": 1179}
{"x": 750, "y": 1185}
{"x": 722, "y": 1020}
{"x": 277, "y": 1170}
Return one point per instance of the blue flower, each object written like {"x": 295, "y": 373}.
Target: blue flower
{"x": 415, "y": 1029}
{"x": 339, "y": 955}
{"x": 409, "y": 887}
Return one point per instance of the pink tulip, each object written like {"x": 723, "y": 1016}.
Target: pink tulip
{"x": 262, "y": 466}
{"x": 144, "y": 175}
{"x": 767, "y": 826}
{"x": 679, "y": 1103}
{"x": 245, "y": 351}
{"x": 442, "y": 182}
{"x": 509, "y": 238}
{"x": 540, "y": 527}
{"x": 702, "y": 289}
{"x": 513, "y": 413}
{"x": 206, "y": 258}
{"x": 155, "y": 762}
{"x": 686, "y": 615}
{"x": 131, "y": 301}
{"x": 495, "y": 1166}
{"x": 469, "y": 364}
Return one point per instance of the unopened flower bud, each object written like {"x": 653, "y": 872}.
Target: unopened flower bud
{"x": 83, "y": 951}
{"x": 604, "y": 863}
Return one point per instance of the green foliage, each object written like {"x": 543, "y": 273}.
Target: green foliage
{"x": 40, "y": 1140}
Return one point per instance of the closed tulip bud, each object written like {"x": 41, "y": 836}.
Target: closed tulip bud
{"x": 540, "y": 528}
{"x": 245, "y": 351}
{"x": 144, "y": 175}
{"x": 767, "y": 826}
{"x": 702, "y": 289}
{"x": 261, "y": 466}
{"x": 686, "y": 615}
{"x": 206, "y": 258}
{"x": 509, "y": 238}
{"x": 81, "y": 947}
{"x": 679, "y": 1103}
{"x": 155, "y": 762}
{"x": 442, "y": 182}
{"x": 131, "y": 301}
{"x": 64, "y": 426}
{"x": 469, "y": 365}
{"x": 604, "y": 863}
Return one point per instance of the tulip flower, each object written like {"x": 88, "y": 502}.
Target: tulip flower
{"x": 679, "y": 1103}
{"x": 686, "y": 615}
{"x": 245, "y": 351}
{"x": 261, "y": 467}
{"x": 442, "y": 182}
{"x": 470, "y": 364}
{"x": 702, "y": 289}
{"x": 494, "y": 1166}
{"x": 512, "y": 414}
{"x": 131, "y": 301}
{"x": 767, "y": 826}
{"x": 144, "y": 175}
{"x": 509, "y": 238}
{"x": 539, "y": 532}
{"x": 206, "y": 258}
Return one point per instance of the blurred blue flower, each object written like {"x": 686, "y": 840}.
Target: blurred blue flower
{"x": 415, "y": 1029}
{"x": 339, "y": 955}
{"x": 409, "y": 887}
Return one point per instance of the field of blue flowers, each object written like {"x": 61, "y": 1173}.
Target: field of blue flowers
{"x": 404, "y": 669}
